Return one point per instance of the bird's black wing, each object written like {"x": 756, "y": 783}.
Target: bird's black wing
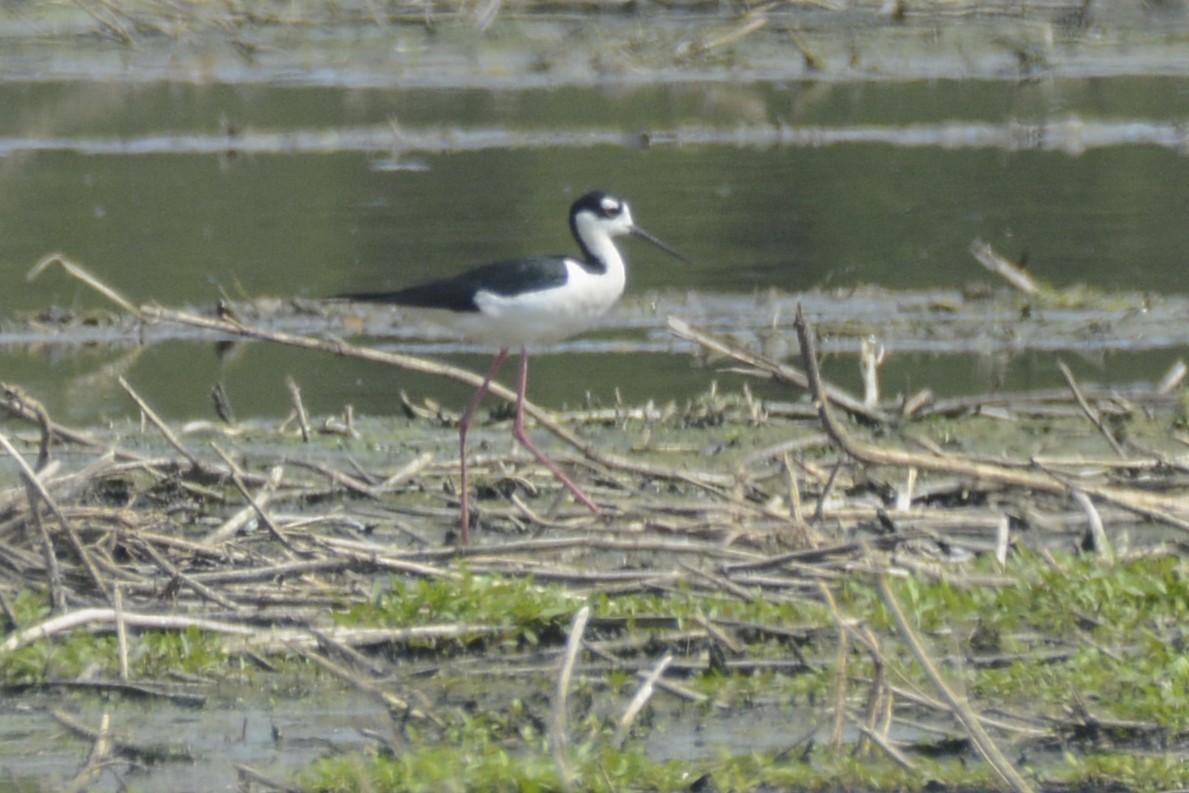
{"x": 458, "y": 292}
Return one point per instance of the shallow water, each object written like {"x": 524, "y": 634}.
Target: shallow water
{"x": 181, "y": 172}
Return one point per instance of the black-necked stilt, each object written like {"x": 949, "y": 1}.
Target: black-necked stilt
{"x": 526, "y": 301}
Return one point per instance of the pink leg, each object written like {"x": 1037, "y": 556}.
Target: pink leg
{"x": 464, "y": 424}
{"x": 520, "y": 435}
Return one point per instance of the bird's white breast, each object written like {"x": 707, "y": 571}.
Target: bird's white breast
{"x": 545, "y": 315}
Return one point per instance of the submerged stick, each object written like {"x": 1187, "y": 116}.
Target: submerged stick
{"x": 100, "y": 755}
{"x": 394, "y": 703}
{"x": 146, "y": 753}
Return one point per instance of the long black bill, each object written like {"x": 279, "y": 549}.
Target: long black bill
{"x": 639, "y": 232}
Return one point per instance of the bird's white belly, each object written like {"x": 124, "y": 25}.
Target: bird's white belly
{"x": 543, "y": 316}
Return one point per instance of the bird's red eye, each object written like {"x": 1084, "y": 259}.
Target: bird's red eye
{"x": 612, "y": 208}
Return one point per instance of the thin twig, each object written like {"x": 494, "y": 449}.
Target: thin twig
{"x": 777, "y": 371}
{"x": 254, "y": 509}
{"x": 397, "y": 705}
{"x": 67, "y": 528}
{"x": 156, "y": 421}
{"x": 1090, "y": 413}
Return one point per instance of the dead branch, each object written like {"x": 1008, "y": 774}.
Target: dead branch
{"x": 778, "y": 371}
{"x": 985, "y": 255}
{"x": 1173, "y": 510}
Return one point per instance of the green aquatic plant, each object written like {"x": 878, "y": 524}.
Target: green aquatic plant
{"x": 486, "y": 751}
{"x": 518, "y": 605}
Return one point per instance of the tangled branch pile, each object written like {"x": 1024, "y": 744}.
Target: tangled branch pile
{"x": 260, "y": 544}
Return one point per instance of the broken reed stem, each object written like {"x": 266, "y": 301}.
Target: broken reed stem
{"x": 52, "y": 568}
{"x": 961, "y": 709}
{"x": 177, "y": 575}
{"x": 121, "y": 630}
{"x": 403, "y": 474}
{"x": 895, "y": 755}
{"x": 1095, "y": 528}
{"x": 1003, "y": 539}
{"x": 247, "y": 774}
{"x": 303, "y": 421}
{"x": 80, "y": 273}
{"x": 103, "y": 616}
{"x": 254, "y": 508}
{"x": 640, "y": 700}
{"x": 19, "y": 404}
{"x": 985, "y": 255}
{"x": 842, "y": 653}
{"x": 878, "y": 707}
{"x": 792, "y": 489}
{"x": 559, "y": 731}
{"x": 871, "y": 357}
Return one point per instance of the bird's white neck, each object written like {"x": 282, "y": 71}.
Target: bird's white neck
{"x": 598, "y": 246}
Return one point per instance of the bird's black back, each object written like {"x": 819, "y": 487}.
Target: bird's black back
{"x": 517, "y": 276}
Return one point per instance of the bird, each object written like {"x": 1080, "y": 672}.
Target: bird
{"x": 519, "y": 303}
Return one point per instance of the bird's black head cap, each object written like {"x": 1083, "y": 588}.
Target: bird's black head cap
{"x": 598, "y": 202}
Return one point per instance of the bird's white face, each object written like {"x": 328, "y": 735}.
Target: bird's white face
{"x": 613, "y": 218}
